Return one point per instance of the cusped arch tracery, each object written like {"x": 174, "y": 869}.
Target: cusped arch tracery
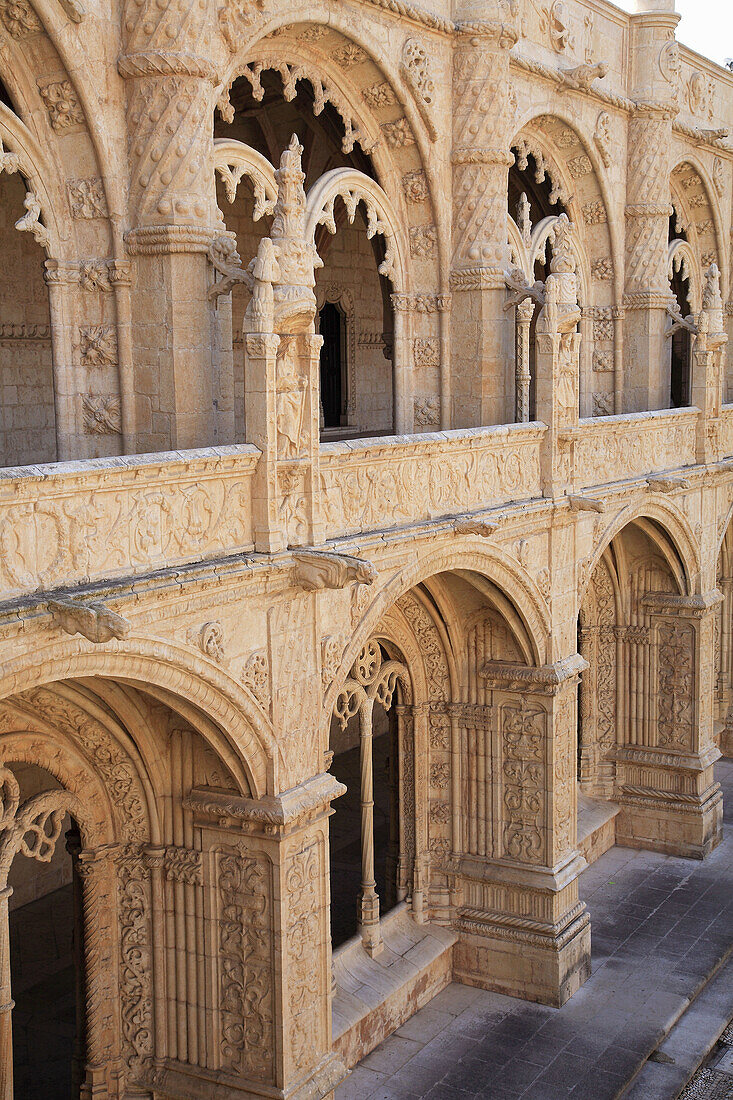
{"x": 696, "y": 212}
{"x": 357, "y": 189}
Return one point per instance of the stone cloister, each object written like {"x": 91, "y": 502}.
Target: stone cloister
{"x": 366, "y": 513}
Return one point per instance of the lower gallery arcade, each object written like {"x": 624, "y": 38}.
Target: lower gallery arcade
{"x": 169, "y": 927}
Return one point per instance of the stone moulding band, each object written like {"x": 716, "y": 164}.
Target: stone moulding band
{"x": 272, "y": 813}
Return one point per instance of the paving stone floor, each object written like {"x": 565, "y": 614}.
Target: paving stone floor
{"x": 660, "y": 925}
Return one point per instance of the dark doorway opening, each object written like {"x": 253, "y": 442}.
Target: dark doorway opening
{"x": 46, "y": 972}
{"x": 333, "y": 366}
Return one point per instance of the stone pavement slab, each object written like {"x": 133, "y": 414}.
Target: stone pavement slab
{"x": 661, "y": 926}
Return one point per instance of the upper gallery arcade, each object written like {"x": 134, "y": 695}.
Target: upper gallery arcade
{"x": 365, "y": 508}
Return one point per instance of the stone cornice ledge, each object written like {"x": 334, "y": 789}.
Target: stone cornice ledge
{"x": 273, "y": 813}
{"x": 694, "y": 607}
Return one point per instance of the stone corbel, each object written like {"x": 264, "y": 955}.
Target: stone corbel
{"x": 319, "y": 569}
{"x": 93, "y": 620}
{"x": 581, "y": 77}
{"x": 667, "y": 484}
{"x": 585, "y": 504}
{"x": 272, "y": 815}
{"x": 474, "y": 525}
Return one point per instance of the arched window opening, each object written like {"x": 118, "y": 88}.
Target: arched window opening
{"x": 334, "y": 367}
{"x": 679, "y": 389}
{"x": 365, "y": 404}
{"x": 532, "y": 196}
{"x": 27, "y": 416}
{"x": 46, "y": 955}
{"x": 365, "y": 827}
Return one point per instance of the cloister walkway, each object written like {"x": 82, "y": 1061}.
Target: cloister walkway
{"x": 661, "y": 926}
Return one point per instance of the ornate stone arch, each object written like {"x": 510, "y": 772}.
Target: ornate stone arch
{"x": 696, "y": 203}
{"x": 242, "y": 731}
{"x": 577, "y": 167}
{"x": 233, "y": 160}
{"x": 671, "y": 523}
{"x": 682, "y": 258}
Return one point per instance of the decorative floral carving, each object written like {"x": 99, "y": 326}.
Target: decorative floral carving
{"x": 427, "y": 411}
{"x": 211, "y": 641}
{"x": 426, "y": 351}
{"x": 303, "y": 939}
{"x": 246, "y": 1042}
{"x": 415, "y": 68}
{"x": 64, "y": 109}
{"x": 101, "y": 414}
{"x": 235, "y": 16}
{"x": 423, "y": 241}
{"x": 523, "y": 730}
{"x": 349, "y": 55}
{"x": 97, "y": 343}
{"x": 594, "y": 213}
{"x": 19, "y": 18}
{"x": 602, "y": 268}
{"x": 602, "y": 361}
{"x": 332, "y": 648}
{"x": 183, "y": 865}
{"x": 378, "y": 95}
{"x": 675, "y": 707}
{"x": 602, "y": 404}
{"x": 602, "y": 137}
{"x": 579, "y": 166}
{"x": 256, "y": 677}
{"x": 136, "y": 994}
{"x": 86, "y": 197}
{"x": 415, "y": 186}
{"x": 398, "y": 134}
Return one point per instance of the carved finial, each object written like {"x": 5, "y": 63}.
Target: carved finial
{"x": 295, "y": 302}
{"x": 94, "y": 621}
{"x": 711, "y": 296}
{"x": 563, "y": 256}
{"x": 710, "y": 323}
{"x": 260, "y": 313}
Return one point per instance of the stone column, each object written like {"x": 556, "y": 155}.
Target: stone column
{"x": 655, "y": 87}
{"x": 62, "y": 280}
{"x": 482, "y": 132}
{"x": 268, "y": 942}
{"x": 557, "y": 355}
{"x": 525, "y": 312}
{"x": 282, "y": 372}
{"x": 170, "y": 83}
{"x": 368, "y": 915}
{"x": 665, "y": 786}
{"x": 522, "y": 929}
{"x": 6, "y": 1001}
{"x": 708, "y": 369}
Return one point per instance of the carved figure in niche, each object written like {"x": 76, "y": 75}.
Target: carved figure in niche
{"x": 291, "y": 386}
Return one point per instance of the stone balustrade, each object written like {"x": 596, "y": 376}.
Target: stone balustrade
{"x": 68, "y": 523}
